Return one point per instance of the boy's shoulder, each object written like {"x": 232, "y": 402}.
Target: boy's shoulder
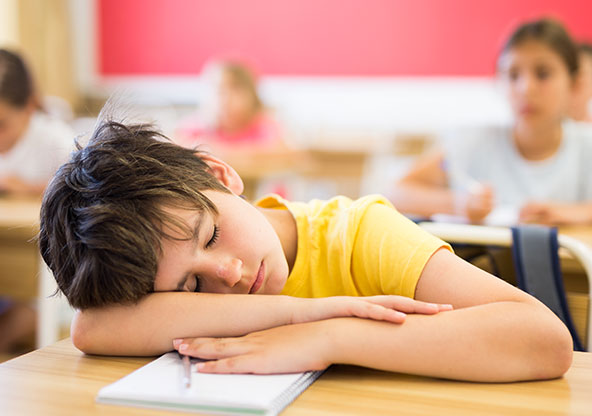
{"x": 336, "y": 210}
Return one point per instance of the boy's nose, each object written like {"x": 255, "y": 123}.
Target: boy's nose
{"x": 230, "y": 272}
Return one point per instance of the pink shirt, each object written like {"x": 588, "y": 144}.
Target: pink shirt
{"x": 262, "y": 130}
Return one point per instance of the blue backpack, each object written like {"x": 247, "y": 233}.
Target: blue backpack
{"x": 536, "y": 260}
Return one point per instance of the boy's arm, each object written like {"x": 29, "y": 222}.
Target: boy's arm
{"x": 149, "y": 327}
{"x": 495, "y": 333}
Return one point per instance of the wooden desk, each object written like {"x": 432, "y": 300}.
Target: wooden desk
{"x": 581, "y": 232}
{"x": 23, "y": 274}
{"x": 19, "y": 223}
{"x": 342, "y": 168}
{"x": 60, "y": 380}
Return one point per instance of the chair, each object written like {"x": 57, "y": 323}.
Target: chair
{"x": 503, "y": 237}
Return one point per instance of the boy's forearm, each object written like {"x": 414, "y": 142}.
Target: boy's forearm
{"x": 503, "y": 341}
{"x": 149, "y": 327}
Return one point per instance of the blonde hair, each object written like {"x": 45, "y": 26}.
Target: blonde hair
{"x": 241, "y": 76}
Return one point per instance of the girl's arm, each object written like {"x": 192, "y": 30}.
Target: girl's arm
{"x": 149, "y": 327}
{"x": 16, "y": 186}
{"x": 557, "y": 213}
{"x": 424, "y": 191}
{"x": 495, "y": 333}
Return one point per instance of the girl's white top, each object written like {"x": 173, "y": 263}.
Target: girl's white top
{"x": 489, "y": 156}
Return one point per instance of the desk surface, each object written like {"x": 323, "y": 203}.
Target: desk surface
{"x": 60, "y": 380}
{"x": 580, "y": 232}
{"x": 19, "y": 217}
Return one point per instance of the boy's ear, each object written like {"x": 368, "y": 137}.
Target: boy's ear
{"x": 224, "y": 173}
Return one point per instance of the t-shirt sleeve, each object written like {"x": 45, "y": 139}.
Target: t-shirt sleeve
{"x": 390, "y": 252}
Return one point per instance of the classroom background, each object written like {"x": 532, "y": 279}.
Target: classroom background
{"x": 360, "y": 88}
{"x": 363, "y": 78}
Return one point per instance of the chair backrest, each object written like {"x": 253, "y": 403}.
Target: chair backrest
{"x": 535, "y": 251}
{"x": 538, "y": 246}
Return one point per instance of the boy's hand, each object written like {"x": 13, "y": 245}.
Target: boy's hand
{"x": 388, "y": 308}
{"x": 284, "y": 349}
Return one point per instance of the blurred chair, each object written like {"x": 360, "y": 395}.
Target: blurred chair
{"x": 503, "y": 237}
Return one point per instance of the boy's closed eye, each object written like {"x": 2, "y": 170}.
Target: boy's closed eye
{"x": 214, "y": 237}
{"x": 192, "y": 283}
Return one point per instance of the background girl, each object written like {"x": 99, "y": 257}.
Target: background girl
{"x": 232, "y": 113}
{"x": 32, "y": 146}
{"x": 536, "y": 167}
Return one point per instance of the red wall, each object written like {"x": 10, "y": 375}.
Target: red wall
{"x": 319, "y": 37}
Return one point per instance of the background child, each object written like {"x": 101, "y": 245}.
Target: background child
{"x": 580, "y": 109}
{"x": 32, "y": 144}
{"x": 232, "y": 115}
{"x": 154, "y": 217}
{"x": 32, "y": 147}
{"x": 233, "y": 124}
{"x": 537, "y": 167}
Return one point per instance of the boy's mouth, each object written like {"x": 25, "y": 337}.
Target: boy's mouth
{"x": 258, "y": 279}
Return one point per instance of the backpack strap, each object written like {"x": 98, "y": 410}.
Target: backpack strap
{"x": 536, "y": 260}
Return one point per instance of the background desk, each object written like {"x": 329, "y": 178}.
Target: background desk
{"x": 60, "y": 380}
{"x": 23, "y": 274}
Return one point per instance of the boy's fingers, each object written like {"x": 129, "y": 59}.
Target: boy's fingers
{"x": 380, "y": 313}
{"x": 430, "y": 308}
{"x": 409, "y": 305}
{"x": 212, "y": 348}
{"x": 239, "y": 364}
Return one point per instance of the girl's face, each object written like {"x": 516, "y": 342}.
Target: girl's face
{"x": 235, "y": 103}
{"x": 13, "y": 124}
{"x": 538, "y": 83}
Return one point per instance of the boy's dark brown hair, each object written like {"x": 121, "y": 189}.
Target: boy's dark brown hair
{"x": 102, "y": 217}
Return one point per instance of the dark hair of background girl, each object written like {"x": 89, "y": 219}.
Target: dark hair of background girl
{"x": 17, "y": 87}
{"x": 551, "y": 33}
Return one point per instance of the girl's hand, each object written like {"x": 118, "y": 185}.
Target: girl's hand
{"x": 552, "y": 213}
{"x": 477, "y": 203}
{"x": 284, "y": 349}
{"x": 388, "y": 308}
{"x": 16, "y": 186}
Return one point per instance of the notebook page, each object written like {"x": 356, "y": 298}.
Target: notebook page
{"x": 159, "y": 384}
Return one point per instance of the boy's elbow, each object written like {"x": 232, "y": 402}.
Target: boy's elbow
{"x": 563, "y": 353}
{"x": 556, "y": 352}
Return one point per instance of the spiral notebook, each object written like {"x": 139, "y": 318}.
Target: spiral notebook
{"x": 159, "y": 385}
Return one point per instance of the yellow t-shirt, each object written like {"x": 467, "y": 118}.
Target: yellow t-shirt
{"x": 355, "y": 248}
